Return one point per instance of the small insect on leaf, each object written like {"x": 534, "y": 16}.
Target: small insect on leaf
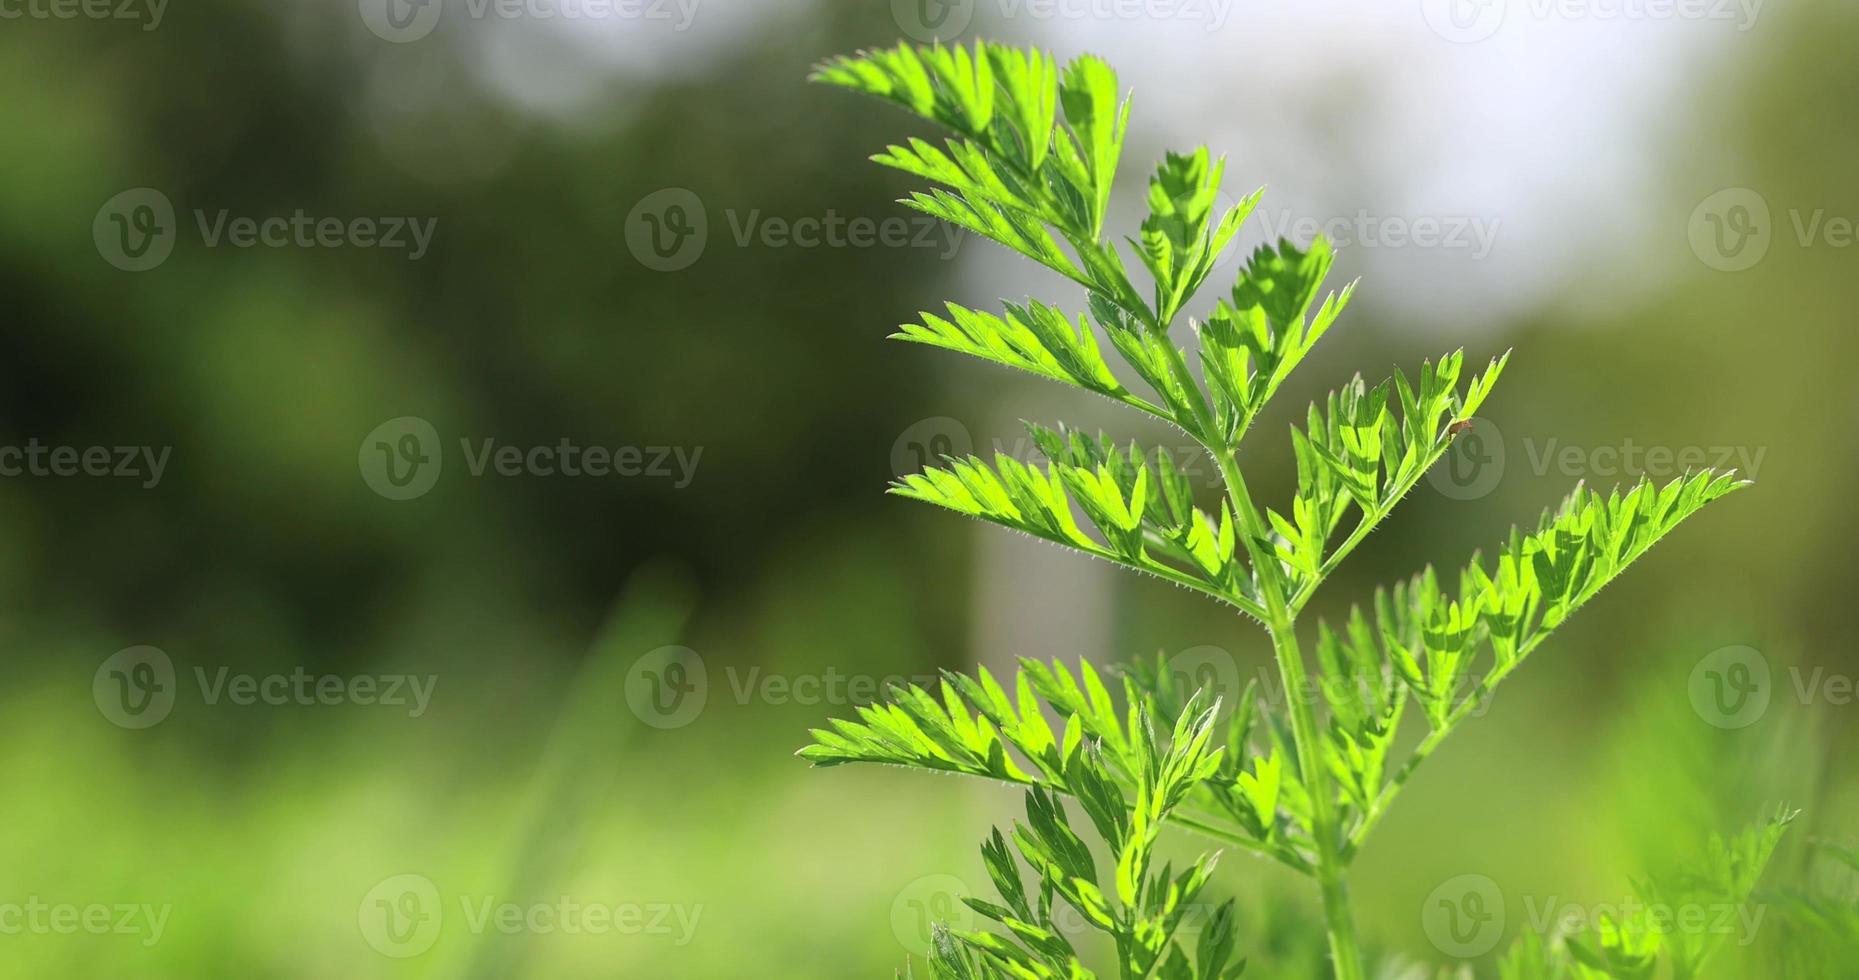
{"x": 1462, "y": 425}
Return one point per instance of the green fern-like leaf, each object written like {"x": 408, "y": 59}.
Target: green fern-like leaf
{"x": 1140, "y": 513}
{"x": 1675, "y": 924}
{"x": 1030, "y": 163}
{"x": 1439, "y": 643}
{"x": 1141, "y": 908}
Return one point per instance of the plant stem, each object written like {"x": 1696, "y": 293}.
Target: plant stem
{"x": 1331, "y": 870}
{"x": 1281, "y": 621}
{"x": 1331, "y": 867}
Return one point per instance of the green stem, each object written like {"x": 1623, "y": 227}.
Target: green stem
{"x": 1331, "y": 870}
{"x": 1345, "y": 954}
{"x": 1281, "y": 621}
{"x": 1331, "y": 865}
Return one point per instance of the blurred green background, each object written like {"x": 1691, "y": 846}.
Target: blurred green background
{"x": 262, "y": 839}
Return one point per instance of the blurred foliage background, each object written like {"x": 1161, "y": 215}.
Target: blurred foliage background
{"x": 265, "y": 829}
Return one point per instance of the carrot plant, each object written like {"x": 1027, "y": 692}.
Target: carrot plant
{"x": 1030, "y": 165}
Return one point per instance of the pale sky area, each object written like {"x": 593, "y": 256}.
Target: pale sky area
{"x": 1471, "y": 156}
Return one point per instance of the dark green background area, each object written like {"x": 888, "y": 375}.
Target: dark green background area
{"x": 262, "y": 550}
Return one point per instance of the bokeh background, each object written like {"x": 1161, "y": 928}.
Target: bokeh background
{"x": 1651, "y": 203}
